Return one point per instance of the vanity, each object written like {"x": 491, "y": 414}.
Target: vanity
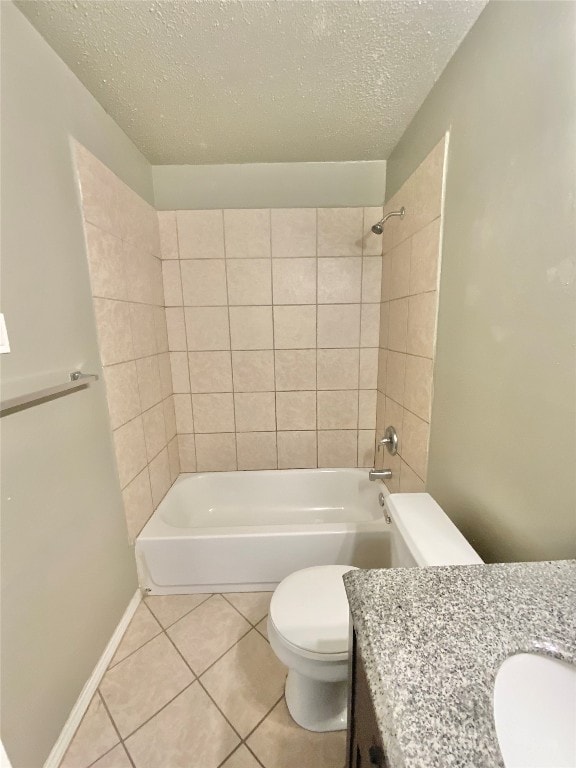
{"x": 463, "y": 666}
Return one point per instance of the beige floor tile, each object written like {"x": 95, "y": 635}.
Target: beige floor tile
{"x": 262, "y": 627}
{"x": 142, "y": 628}
{"x": 116, "y": 758}
{"x": 246, "y": 682}
{"x": 188, "y": 733}
{"x": 170, "y": 608}
{"x": 209, "y": 631}
{"x": 252, "y": 605}
{"x": 242, "y": 758}
{"x": 139, "y": 686}
{"x": 279, "y": 743}
{"x": 95, "y": 736}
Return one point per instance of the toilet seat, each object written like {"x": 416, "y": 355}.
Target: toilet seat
{"x": 309, "y": 611}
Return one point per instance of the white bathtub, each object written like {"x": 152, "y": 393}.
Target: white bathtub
{"x": 244, "y": 531}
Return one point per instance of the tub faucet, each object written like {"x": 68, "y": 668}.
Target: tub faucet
{"x": 380, "y": 474}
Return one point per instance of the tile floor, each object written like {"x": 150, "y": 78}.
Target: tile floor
{"x": 195, "y": 684}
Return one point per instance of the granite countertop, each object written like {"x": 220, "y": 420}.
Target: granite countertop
{"x": 432, "y": 640}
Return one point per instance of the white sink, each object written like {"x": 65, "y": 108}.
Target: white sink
{"x": 535, "y": 712}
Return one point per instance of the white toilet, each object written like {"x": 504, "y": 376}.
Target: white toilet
{"x": 308, "y": 624}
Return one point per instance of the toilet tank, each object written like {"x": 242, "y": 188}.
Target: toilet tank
{"x": 422, "y": 533}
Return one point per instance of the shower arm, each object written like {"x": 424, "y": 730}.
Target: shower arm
{"x": 378, "y": 227}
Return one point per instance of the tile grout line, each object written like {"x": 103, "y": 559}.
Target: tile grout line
{"x": 115, "y": 727}
{"x": 226, "y": 260}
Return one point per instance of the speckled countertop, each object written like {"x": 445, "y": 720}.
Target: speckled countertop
{"x": 432, "y": 640}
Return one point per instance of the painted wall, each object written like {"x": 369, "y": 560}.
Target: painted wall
{"x": 503, "y": 439}
{"x": 273, "y": 320}
{"x": 269, "y": 185}
{"x": 67, "y": 570}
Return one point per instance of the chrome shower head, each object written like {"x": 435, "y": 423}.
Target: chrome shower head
{"x": 378, "y": 228}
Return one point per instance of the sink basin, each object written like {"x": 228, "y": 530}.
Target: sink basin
{"x": 535, "y": 712}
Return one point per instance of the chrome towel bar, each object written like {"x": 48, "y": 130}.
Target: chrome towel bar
{"x": 78, "y": 380}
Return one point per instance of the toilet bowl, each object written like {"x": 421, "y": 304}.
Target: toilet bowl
{"x": 308, "y": 622}
{"x": 309, "y": 632}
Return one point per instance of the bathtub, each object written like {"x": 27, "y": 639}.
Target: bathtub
{"x": 246, "y": 531}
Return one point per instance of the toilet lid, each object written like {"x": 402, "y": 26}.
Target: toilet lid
{"x": 310, "y": 610}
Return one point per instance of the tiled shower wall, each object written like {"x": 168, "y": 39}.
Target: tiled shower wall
{"x": 410, "y": 276}
{"x": 123, "y": 250}
{"x": 273, "y": 327}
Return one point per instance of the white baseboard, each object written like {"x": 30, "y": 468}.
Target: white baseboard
{"x": 83, "y": 701}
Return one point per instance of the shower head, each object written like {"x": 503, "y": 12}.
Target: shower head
{"x": 378, "y": 228}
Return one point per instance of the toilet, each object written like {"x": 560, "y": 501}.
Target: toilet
{"x": 308, "y": 622}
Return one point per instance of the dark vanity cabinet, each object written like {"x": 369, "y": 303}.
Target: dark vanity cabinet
{"x": 364, "y": 744}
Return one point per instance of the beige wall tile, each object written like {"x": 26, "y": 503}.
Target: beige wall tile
{"x": 339, "y": 280}
{"x": 253, "y": 371}
{"x": 149, "y": 381}
{"x": 296, "y": 410}
{"x": 200, "y": 234}
{"x": 256, "y": 450}
{"x": 370, "y": 325}
{"x": 339, "y": 325}
{"x": 159, "y": 477}
{"x": 394, "y": 417}
{"x": 210, "y": 372}
{"x": 425, "y": 259}
{"x": 173, "y": 459}
{"x": 295, "y": 369}
{"x": 249, "y": 282}
{"x": 169, "y": 417}
{"x": 418, "y": 387}
{"x": 137, "y": 498}
{"x": 160, "y": 329}
{"x": 422, "y": 324}
{"x": 368, "y": 368}
{"x": 367, "y": 409}
{"x": 168, "y": 234}
{"x": 409, "y": 480}
{"x": 255, "y": 411}
{"x": 176, "y": 329}
{"x": 382, "y": 369}
{"x": 207, "y": 328}
{"x": 366, "y": 440}
{"x": 338, "y": 409}
{"x": 213, "y": 413}
{"x": 294, "y": 281}
{"x": 156, "y": 282}
{"x": 247, "y": 233}
{"x": 371, "y": 243}
{"x": 180, "y": 375}
{"x": 114, "y": 331}
{"x": 216, "y": 453}
{"x": 386, "y": 277}
{"x": 138, "y": 268}
{"x": 251, "y": 327}
{"x": 187, "y": 451}
{"x": 165, "y": 374}
{"x": 340, "y": 231}
{"x": 297, "y": 450}
{"x": 337, "y": 448}
{"x": 398, "y": 325}
{"x": 295, "y": 327}
{"x": 99, "y": 189}
{"x": 122, "y": 393}
{"x": 338, "y": 368}
{"x": 400, "y": 270}
{"x": 138, "y": 220}
{"x": 293, "y": 232}
{"x": 380, "y": 413}
{"x": 183, "y": 413}
{"x": 372, "y": 279}
{"x": 384, "y": 324}
{"x": 396, "y": 376}
{"x": 154, "y": 430}
{"x": 106, "y": 263}
{"x": 143, "y": 329}
{"x": 130, "y": 450}
{"x": 204, "y": 282}
{"x": 392, "y": 463}
{"x": 172, "y": 283}
{"x": 414, "y": 449}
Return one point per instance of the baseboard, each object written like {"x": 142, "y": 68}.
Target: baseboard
{"x": 83, "y": 701}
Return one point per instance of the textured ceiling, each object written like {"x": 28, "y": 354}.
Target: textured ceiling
{"x": 222, "y": 81}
